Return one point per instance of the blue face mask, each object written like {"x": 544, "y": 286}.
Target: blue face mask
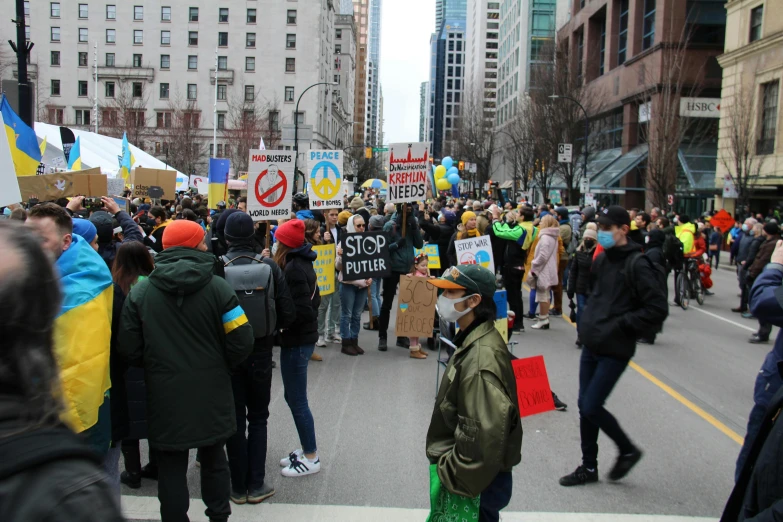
{"x": 744, "y": 228}
{"x": 606, "y": 239}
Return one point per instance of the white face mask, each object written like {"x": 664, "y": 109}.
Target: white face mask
{"x": 448, "y": 312}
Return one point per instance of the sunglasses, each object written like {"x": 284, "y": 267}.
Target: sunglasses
{"x": 359, "y": 226}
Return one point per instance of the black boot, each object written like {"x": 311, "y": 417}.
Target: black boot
{"x": 403, "y": 342}
{"x": 132, "y": 480}
{"x": 382, "y": 344}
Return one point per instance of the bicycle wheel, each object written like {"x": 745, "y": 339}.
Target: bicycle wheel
{"x": 682, "y": 290}
{"x": 698, "y": 290}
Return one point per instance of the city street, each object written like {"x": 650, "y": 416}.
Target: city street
{"x": 684, "y": 401}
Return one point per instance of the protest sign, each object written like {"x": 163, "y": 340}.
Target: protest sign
{"x": 433, "y": 255}
{"x": 49, "y": 187}
{"x": 196, "y": 181}
{"x": 533, "y": 391}
{"x": 365, "y": 255}
{"x": 154, "y": 183}
{"x": 416, "y": 307}
{"x": 115, "y": 186}
{"x": 408, "y": 167}
{"x": 475, "y": 251}
{"x": 324, "y": 268}
{"x": 270, "y": 175}
{"x": 722, "y": 220}
{"x": 9, "y": 188}
{"x": 324, "y": 183}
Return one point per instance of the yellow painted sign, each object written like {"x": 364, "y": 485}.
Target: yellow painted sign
{"x": 324, "y": 268}
{"x": 433, "y": 256}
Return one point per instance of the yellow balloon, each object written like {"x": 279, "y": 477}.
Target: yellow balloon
{"x": 440, "y": 172}
{"x": 443, "y": 184}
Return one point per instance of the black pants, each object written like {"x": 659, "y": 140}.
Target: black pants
{"x": 714, "y": 254}
{"x": 513, "y": 279}
{"x": 132, "y": 456}
{"x": 173, "y": 484}
{"x": 252, "y": 384}
{"x": 389, "y": 291}
{"x": 495, "y": 497}
{"x": 764, "y": 330}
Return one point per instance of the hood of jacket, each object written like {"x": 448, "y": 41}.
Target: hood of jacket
{"x": 304, "y": 214}
{"x": 349, "y": 226}
{"x": 687, "y": 226}
{"x": 182, "y": 269}
{"x": 553, "y": 232}
{"x": 305, "y": 251}
{"x": 655, "y": 239}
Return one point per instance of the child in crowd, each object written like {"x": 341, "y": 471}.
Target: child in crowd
{"x": 420, "y": 269}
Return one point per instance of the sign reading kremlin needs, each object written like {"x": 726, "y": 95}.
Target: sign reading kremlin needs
{"x": 324, "y": 184}
{"x": 324, "y": 268}
{"x": 270, "y": 174}
{"x": 416, "y": 307}
{"x": 533, "y": 392}
{"x": 475, "y": 251}
{"x": 365, "y": 255}
{"x": 408, "y": 167}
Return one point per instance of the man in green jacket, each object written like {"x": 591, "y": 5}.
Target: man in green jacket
{"x": 185, "y": 327}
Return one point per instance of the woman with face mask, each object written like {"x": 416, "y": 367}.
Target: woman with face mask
{"x": 579, "y": 275}
{"x": 475, "y": 435}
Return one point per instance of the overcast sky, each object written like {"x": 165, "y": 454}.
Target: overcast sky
{"x": 405, "y": 61}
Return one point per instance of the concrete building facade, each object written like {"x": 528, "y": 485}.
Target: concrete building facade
{"x": 423, "y": 111}
{"x": 361, "y": 15}
{"x": 344, "y": 75}
{"x": 373, "y": 126}
{"x": 482, "y": 41}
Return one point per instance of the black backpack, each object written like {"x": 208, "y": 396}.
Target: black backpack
{"x": 254, "y": 285}
{"x": 630, "y": 277}
{"x": 673, "y": 252}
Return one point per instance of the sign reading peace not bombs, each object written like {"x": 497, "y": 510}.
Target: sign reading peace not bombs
{"x": 324, "y": 183}
{"x": 365, "y": 256}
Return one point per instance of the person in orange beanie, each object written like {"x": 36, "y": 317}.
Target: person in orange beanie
{"x": 184, "y": 233}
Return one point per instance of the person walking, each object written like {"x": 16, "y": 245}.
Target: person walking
{"x": 715, "y": 244}
{"x": 749, "y": 231}
{"x": 185, "y": 327}
{"x": 621, "y": 308}
{"x": 354, "y": 296}
{"x": 295, "y": 258}
{"x": 771, "y": 234}
{"x": 544, "y": 269}
{"x": 579, "y": 276}
{"x": 330, "y": 309}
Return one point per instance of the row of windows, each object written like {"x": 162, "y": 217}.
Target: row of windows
{"x": 165, "y": 38}
{"x": 251, "y": 14}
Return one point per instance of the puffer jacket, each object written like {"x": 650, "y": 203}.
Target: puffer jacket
{"x": 546, "y": 258}
{"x": 303, "y": 286}
{"x": 579, "y": 275}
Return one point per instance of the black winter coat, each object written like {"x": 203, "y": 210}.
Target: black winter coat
{"x": 654, "y": 248}
{"x": 444, "y": 237}
{"x": 615, "y": 316}
{"x": 303, "y": 286}
{"x": 130, "y": 232}
{"x": 579, "y": 275}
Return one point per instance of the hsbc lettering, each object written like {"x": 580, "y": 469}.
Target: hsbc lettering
{"x": 700, "y": 107}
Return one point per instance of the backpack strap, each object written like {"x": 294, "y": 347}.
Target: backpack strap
{"x": 630, "y": 273}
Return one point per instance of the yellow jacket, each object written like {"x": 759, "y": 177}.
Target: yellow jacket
{"x": 685, "y": 234}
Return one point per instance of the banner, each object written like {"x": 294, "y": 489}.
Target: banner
{"x": 9, "y": 188}
{"x": 325, "y": 179}
{"x": 416, "y": 307}
{"x": 49, "y": 187}
{"x": 154, "y": 183}
{"x": 408, "y": 167}
{"x": 269, "y": 181}
{"x": 324, "y": 268}
{"x": 433, "y": 255}
{"x": 475, "y": 251}
{"x": 365, "y": 255}
{"x": 533, "y": 391}
{"x": 195, "y": 181}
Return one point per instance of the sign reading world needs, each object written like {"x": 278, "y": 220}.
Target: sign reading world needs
{"x": 270, "y": 174}
{"x": 409, "y": 164}
{"x": 325, "y": 179}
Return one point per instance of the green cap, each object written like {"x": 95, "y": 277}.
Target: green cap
{"x": 475, "y": 279}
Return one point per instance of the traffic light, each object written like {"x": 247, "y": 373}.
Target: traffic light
{"x": 461, "y": 165}
{"x": 368, "y": 152}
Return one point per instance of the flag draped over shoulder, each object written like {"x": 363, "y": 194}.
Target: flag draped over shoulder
{"x": 22, "y": 140}
{"x": 82, "y": 333}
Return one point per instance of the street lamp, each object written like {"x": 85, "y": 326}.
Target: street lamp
{"x": 341, "y": 130}
{"x": 587, "y": 131}
{"x": 296, "y": 128}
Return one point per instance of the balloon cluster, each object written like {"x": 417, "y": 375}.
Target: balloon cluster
{"x": 446, "y": 174}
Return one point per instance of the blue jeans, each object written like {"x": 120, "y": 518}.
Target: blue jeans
{"x": 353, "y": 299}
{"x": 293, "y": 368}
{"x": 581, "y": 302}
{"x": 754, "y": 424}
{"x": 375, "y": 294}
{"x": 495, "y": 497}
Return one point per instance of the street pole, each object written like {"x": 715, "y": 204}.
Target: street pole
{"x": 587, "y": 133}
{"x": 296, "y": 130}
{"x": 214, "y": 109}
{"x": 22, "y": 50}
{"x": 95, "y": 105}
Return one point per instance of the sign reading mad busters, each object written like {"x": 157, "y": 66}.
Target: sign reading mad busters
{"x": 270, "y": 174}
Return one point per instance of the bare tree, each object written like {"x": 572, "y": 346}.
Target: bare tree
{"x": 183, "y": 143}
{"x": 366, "y": 168}
{"x": 127, "y": 112}
{"x": 248, "y": 120}
{"x": 475, "y": 139}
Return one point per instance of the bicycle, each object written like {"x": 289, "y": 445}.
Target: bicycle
{"x": 688, "y": 285}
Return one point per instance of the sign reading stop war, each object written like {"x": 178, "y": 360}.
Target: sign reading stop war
{"x": 475, "y": 251}
{"x": 533, "y": 391}
{"x": 270, "y": 175}
{"x": 409, "y": 164}
{"x": 416, "y": 307}
{"x": 365, "y": 256}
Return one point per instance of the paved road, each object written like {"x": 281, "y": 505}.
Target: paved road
{"x": 685, "y": 402}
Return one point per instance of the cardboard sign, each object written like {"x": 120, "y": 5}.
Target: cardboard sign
{"x": 115, "y": 186}
{"x": 9, "y": 188}
{"x": 182, "y": 182}
{"x": 325, "y": 178}
{"x": 324, "y": 268}
{"x": 365, "y": 255}
{"x": 49, "y": 187}
{"x": 408, "y": 167}
{"x": 416, "y": 307}
{"x": 722, "y": 220}
{"x": 270, "y": 177}
{"x": 433, "y": 256}
{"x": 475, "y": 251}
{"x": 154, "y": 183}
{"x": 533, "y": 391}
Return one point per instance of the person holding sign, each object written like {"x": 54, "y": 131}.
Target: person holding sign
{"x": 475, "y": 435}
{"x": 353, "y": 296}
{"x": 420, "y": 269}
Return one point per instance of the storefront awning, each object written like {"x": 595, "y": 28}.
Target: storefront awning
{"x": 699, "y": 164}
{"x": 615, "y": 171}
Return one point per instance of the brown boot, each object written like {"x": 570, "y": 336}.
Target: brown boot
{"x": 348, "y": 348}
{"x": 356, "y": 346}
{"x": 417, "y": 354}
{"x": 423, "y": 351}
{"x": 316, "y": 357}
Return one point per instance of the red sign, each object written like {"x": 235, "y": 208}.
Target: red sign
{"x": 533, "y": 391}
{"x": 272, "y": 195}
{"x": 722, "y": 220}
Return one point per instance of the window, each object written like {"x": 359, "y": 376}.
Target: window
{"x": 165, "y": 61}
{"x": 165, "y": 14}
{"x": 250, "y": 40}
{"x": 274, "y": 120}
{"x": 193, "y": 38}
{"x": 336, "y": 78}
{"x": 82, "y": 59}
{"x": 55, "y": 58}
{"x": 55, "y": 34}
{"x": 109, "y": 90}
{"x": 137, "y": 89}
{"x": 82, "y": 117}
{"x": 219, "y": 150}
{"x": 54, "y": 9}
{"x": 137, "y": 60}
{"x": 82, "y": 88}
{"x": 111, "y": 36}
{"x": 300, "y": 118}
{"x": 83, "y": 10}
{"x": 165, "y": 38}
{"x": 251, "y": 16}
{"x": 27, "y": 33}
{"x": 223, "y": 15}
{"x": 769, "y": 118}
{"x": 111, "y": 12}
{"x": 291, "y": 17}
{"x": 289, "y": 94}
{"x": 138, "y": 37}
{"x": 648, "y": 32}
{"x": 192, "y": 91}
{"x": 222, "y": 39}
{"x": 250, "y": 63}
{"x": 221, "y": 92}
{"x": 109, "y": 117}
{"x": 756, "y": 17}
{"x": 622, "y": 47}
{"x": 192, "y": 62}
{"x": 109, "y": 59}
{"x": 580, "y": 53}
{"x": 138, "y": 12}
{"x": 338, "y": 34}
{"x": 55, "y": 87}
{"x": 222, "y": 63}
{"x": 56, "y": 116}
{"x": 193, "y": 14}
{"x": 290, "y": 65}
{"x": 164, "y": 91}
{"x": 250, "y": 93}
{"x": 338, "y": 49}
{"x": 163, "y": 120}
{"x": 221, "y": 121}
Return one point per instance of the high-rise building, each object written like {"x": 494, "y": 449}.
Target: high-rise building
{"x": 481, "y": 57}
{"x": 361, "y": 15}
{"x": 381, "y": 136}
{"x": 345, "y": 77}
{"x": 372, "y": 127}
{"x": 423, "y": 111}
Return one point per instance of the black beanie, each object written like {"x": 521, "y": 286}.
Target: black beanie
{"x": 239, "y": 226}
{"x": 104, "y": 225}
{"x": 770, "y": 228}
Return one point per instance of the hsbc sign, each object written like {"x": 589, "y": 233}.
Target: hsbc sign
{"x": 700, "y": 107}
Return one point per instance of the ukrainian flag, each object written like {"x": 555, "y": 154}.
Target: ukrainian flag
{"x": 126, "y": 160}
{"x": 218, "y": 180}
{"x": 234, "y": 319}
{"x": 82, "y": 333}
{"x": 22, "y": 140}
{"x": 75, "y": 157}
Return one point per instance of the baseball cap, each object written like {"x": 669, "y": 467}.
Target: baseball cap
{"x": 475, "y": 279}
{"x": 614, "y": 215}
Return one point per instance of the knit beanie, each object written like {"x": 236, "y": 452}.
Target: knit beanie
{"x": 467, "y": 216}
{"x": 450, "y": 216}
{"x": 589, "y": 213}
{"x": 377, "y": 222}
{"x": 342, "y": 217}
{"x": 104, "y": 225}
{"x": 356, "y": 203}
{"x": 590, "y": 234}
{"x": 84, "y": 229}
{"x": 182, "y": 233}
{"x": 220, "y": 226}
{"x": 770, "y": 228}
{"x": 239, "y": 226}
{"x": 291, "y": 233}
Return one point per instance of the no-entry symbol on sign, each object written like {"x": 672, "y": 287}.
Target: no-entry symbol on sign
{"x": 271, "y": 187}
{"x": 270, "y": 174}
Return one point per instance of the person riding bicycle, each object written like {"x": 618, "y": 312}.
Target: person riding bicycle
{"x": 686, "y": 233}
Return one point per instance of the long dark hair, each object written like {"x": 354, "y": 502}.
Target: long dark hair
{"x": 486, "y": 310}
{"x": 133, "y": 260}
{"x": 281, "y": 255}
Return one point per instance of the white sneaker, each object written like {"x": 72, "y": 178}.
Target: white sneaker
{"x": 296, "y": 454}
{"x": 320, "y": 342}
{"x": 335, "y": 338}
{"x": 302, "y": 466}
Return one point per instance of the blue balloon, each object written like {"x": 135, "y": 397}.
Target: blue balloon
{"x": 453, "y": 178}
{"x": 452, "y": 170}
{"x": 447, "y": 162}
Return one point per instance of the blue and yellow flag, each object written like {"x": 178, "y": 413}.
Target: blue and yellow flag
{"x": 126, "y": 160}
{"x": 218, "y": 180}
{"x": 75, "y": 157}
{"x": 22, "y": 140}
{"x": 82, "y": 333}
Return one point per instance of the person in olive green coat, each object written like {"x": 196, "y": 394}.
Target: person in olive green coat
{"x": 475, "y": 435}
{"x": 185, "y": 327}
